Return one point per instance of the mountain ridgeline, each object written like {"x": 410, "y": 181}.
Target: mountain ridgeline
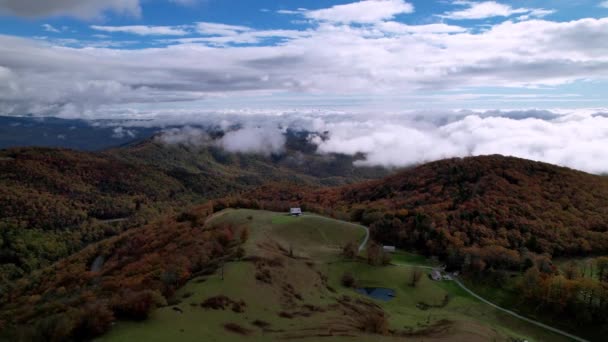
{"x": 53, "y": 202}
{"x": 491, "y": 203}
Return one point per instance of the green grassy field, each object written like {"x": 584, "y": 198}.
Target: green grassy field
{"x": 307, "y": 286}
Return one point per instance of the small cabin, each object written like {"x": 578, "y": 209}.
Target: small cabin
{"x": 389, "y": 249}
{"x": 295, "y": 211}
{"x": 436, "y": 275}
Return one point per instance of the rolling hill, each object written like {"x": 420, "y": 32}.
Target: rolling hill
{"x": 53, "y": 202}
{"x": 492, "y": 202}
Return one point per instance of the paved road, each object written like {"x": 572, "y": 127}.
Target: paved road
{"x": 531, "y": 321}
{"x": 362, "y": 245}
{"x": 542, "y": 325}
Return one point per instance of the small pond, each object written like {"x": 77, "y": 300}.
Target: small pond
{"x": 379, "y": 293}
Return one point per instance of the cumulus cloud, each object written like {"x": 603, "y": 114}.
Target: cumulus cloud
{"x": 367, "y": 11}
{"x": 384, "y": 58}
{"x": 85, "y": 9}
{"x": 603, "y": 4}
{"x": 489, "y": 9}
{"x": 143, "y": 30}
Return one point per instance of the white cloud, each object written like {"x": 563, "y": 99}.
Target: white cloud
{"x": 50, "y": 28}
{"x": 536, "y": 13}
{"x": 572, "y": 138}
{"x": 380, "y": 59}
{"x": 187, "y": 135}
{"x": 603, "y": 4}
{"x": 121, "y": 132}
{"x": 576, "y": 142}
{"x": 489, "y": 9}
{"x": 144, "y": 30}
{"x": 217, "y": 29}
{"x": 396, "y": 27}
{"x": 84, "y": 9}
{"x": 367, "y": 11}
{"x": 254, "y": 140}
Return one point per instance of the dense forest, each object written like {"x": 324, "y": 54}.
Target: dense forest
{"x": 123, "y": 277}
{"x": 487, "y": 217}
{"x": 54, "y": 202}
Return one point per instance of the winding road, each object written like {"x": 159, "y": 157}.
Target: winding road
{"x": 542, "y": 325}
{"x": 469, "y": 291}
{"x": 362, "y": 245}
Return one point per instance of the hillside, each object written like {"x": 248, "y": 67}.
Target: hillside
{"x": 298, "y": 162}
{"x": 288, "y": 286}
{"x": 499, "y": 221}
{"x": 487, "y": 202}
{"x": 53, "y": 202}
{"x": 123, "y": 277}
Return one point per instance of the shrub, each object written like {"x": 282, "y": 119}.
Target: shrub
{"x": 134, "y": 305}
{"x": 94, "y": 321}
{"x": 348, "y": 280}
{"x": 350, "y": 251}
{"x": 235, "y": 328}
{"x": 374, "y": 322}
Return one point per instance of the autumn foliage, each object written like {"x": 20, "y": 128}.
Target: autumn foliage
{"x": 142, "y": 268}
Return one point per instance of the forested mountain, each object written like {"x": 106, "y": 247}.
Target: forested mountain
{"x": 122, "y": 277}
{"x": 79, "y": 134}
{"x": 53, "y": 202}
{"x": 487, "y": 202}
{"x": 493, "y": 218}
{"x": 482, "y": 215}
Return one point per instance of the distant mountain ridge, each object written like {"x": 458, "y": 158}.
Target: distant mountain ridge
{"x": 77, "y": 134}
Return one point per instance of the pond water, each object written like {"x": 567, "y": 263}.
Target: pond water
{"x": 379, "y": 293}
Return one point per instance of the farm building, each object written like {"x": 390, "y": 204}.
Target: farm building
{"x": 389, "y": 249}
{"x": 295, "y": 211}
{"x": 436, "y": 275}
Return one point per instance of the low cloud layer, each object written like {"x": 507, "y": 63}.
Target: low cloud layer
{"x": 575, "y": 139}
{"x": 252, "y": 140}
{"x": 576, "y": 142}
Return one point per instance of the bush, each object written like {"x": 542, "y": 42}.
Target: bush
{"x": 94, "y": 321}
{"x": 375, "y": 323}
{"x": 134, "y": 305}
{"x": 348, "y": 280}
{"x": 235, "y": 328}
{"x": 350, "y": 251}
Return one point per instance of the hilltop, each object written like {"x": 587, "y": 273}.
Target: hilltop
{"x": 487, "y": 201}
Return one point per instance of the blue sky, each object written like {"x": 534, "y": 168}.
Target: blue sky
{"x": 402, "y": 55}
{"x": 259, "y": 14}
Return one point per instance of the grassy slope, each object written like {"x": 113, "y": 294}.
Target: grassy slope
{"x": 317, "y": 240}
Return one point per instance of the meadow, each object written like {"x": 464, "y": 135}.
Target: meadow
{"x": 288, "y": 285}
